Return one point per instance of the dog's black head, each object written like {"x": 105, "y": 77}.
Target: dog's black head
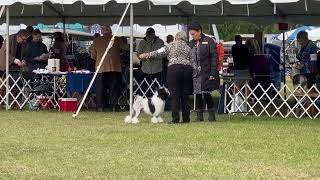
{"x": 163, "y": 93}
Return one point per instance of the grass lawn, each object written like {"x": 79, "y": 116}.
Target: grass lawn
{"x": 52, "y": 145}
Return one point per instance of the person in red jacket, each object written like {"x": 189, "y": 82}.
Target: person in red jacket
{"x": 220, "y": 51}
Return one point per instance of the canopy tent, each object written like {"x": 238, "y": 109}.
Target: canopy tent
{"x": 161, "y": 30}
{"x": 145, "y": 12}
{"x": 163, "y": 11}
{"x": 68, "y": 31}
{"x": 13, "y": 29}
{"x": 314, "y": 34}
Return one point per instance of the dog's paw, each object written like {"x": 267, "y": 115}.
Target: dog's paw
{"x": 160, "y": 120}
{"x": 154, "y": 120}
{"x": 135, "y": 120}
{"x": 128, "y": 119}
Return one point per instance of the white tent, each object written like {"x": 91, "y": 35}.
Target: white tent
{"x": 13, "y": 29}
{"x": 157, "y": 11}
{"x": 139, "y": 31}
{"x": 314, "y": 34}
{"x": 148, "y": 12}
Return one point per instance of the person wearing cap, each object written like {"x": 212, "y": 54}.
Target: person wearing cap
{"x": 109, "y": 73}
{"x": 207, "y": 80}
{"x": 151, "y": 68}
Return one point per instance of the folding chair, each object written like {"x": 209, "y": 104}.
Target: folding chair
{"x": 40, "y": 93}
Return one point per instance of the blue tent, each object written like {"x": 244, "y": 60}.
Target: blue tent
{"x": 292, "y": 35}
{"x": 76, "y": 26}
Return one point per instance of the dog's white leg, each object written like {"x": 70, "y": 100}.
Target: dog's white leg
{"x": 154, "y": 119}
{"x": 135, "y": 119}
{"x": 160, "y": 120}
{"x": 128, "y": 119}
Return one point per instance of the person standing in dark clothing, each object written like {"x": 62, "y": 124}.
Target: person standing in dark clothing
{"x": 36, "y": 54}
{"x": 152, "y": 68}
{"x": 207, "y": 80}
{"x": 59, "y": 50}
{"x": 241, "y": 61}
{"x": 307, "y": 57}
{"x": 30, "y": 30}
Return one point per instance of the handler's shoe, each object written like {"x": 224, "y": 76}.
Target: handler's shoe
{"x": 199, "y": 115}
{"x": 212, "y": 115}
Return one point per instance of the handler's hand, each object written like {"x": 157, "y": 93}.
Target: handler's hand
{"x": 211, "y": 78}
{"x": 143, "y": 56}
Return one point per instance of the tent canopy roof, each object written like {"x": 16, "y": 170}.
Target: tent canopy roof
{"x": 163, "y": 11}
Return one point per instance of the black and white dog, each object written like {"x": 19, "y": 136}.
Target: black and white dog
{"x": 153, "y": 106}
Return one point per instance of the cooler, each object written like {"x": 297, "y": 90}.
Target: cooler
{"x": 67, "y": 104}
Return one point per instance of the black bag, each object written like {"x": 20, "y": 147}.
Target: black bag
{"x": 44, "y": 87}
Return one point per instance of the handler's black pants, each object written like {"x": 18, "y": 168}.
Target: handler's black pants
{"x": 180, "y": 84}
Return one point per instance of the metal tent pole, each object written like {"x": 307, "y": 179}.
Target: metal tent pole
{"x": 7, "y": 57}
{"x": 284, "y": 64}
{"x": 131, "y": 59}
{"x": 64, "y": 26}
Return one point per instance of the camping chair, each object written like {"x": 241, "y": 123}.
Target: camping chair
{"x": 39, "y": 92}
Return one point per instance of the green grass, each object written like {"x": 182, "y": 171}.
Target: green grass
{"x": 52, "y": 145}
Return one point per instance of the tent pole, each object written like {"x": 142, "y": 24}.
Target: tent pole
{"x": 7, "y": 57}
{"x": 64, "y": 25}
{"x": 284, "y": 64}
{"x": 101, "y": 62}
{"x": 131, "y": 60}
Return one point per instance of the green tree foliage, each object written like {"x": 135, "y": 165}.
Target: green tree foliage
{"x": 228, "y": 29}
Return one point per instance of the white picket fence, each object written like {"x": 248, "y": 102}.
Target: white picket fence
{"x": 142, "y": 88}
{"x": 19, "y": 95}
{"x": 272, "y": 102}
{"x": 257, "y": 101}
{"x": 19, "y": 91}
